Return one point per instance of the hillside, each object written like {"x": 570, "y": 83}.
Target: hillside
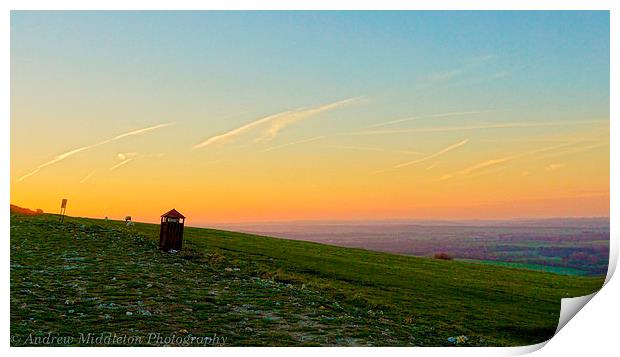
{"x": 94, "y": 276}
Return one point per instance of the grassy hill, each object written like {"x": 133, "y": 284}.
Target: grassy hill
{"x": 99, "y": 277}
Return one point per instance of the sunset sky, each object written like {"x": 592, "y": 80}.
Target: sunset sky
{"x": 274, "y": 116}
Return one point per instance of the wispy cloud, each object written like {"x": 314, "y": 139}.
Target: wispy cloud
{"x": 230, "y": 135}
{"x": 395, "y": 121}
{"x": 429, "y": 157}
{"x": 68, "y": 154}
{"x": 540, "y": 140}
{"x": 553, "y": 167}
{"x": 274, "y": 123}
{"x": 432, "y": 166}
{"x": 135, "y": 132}
{"x": 476, "y": 167}
{"x": 478, "y": 127}
{"x": 87, "y": 177}
{"x": 493, "y": 162}
{"x": 438, "y": 115}
{"x": 294, "y": 143}
{"x": 124, "y": 162}
{"x": 455, "y": 72}
{"x": 28, "y": 174}
{"x": 279, "y": 123}
{"x": 575, "y": 150}
{"x": 438, "y": 153}
{"x": 56, "y": 159}
{"x": 126, "y": 155}
{"x": 365, "y": 148}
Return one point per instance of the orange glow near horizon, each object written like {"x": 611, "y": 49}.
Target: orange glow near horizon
{"x": 338, "y": 187}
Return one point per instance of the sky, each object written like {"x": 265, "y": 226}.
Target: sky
{"x": 293, "y": 115}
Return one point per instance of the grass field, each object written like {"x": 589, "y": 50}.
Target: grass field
{"x": 100, "y": 277}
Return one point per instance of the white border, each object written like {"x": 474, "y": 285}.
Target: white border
{"x": 594, "y": 329}
{"x": 312, "y": 5}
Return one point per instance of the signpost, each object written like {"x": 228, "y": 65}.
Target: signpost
{"x": 63, "y": 209}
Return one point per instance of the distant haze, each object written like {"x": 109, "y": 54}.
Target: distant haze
{"x": 579, "y": 245}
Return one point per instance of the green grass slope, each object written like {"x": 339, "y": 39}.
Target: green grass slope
{"x": 92, "y": 276}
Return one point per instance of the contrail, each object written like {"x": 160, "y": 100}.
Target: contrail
{"x": 28, "y": 174}
{"x": 573, "y": 151}
{"x": 493, "y": 162}
{"x": 87, "y": 177}
{"x": 229, "y": 135}
{"x": 276, "y": 123}
{"x": 431, "y": 166}
{"x": 396, "y": 121}
{"x": 120, "y": 164}
{"x": 479, "y": 166}
{"x": 438, "y": 153}
{"x": 280, "y": 123}
{"x": 477, "y": 127}
{"x": 294, "y": 143}
{"x": 438, "y": 115}
{"x": 135, "y": 132}
{"x": 365, "y": 148}
{"x": 67, "y": 154}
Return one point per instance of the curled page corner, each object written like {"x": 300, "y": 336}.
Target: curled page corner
{"x": 570, "y": 307}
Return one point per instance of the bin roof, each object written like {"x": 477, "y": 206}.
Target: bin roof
{"x": 173, "y": 214}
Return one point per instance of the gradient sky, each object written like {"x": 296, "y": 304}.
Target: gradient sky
{"x": 261, "y": 116}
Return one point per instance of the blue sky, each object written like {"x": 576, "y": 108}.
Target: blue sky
{"x": 291, "y": 56}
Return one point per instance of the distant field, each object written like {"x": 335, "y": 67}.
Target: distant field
{"x": 545, "y": 268}
{"x": 99, "y": 277}
{"x": 574, "y": 246}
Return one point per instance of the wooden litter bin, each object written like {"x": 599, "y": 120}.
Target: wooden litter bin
{"x": 171, "y": 230}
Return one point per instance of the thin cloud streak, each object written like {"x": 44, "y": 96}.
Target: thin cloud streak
{"x": 275, "y": 122}
{"x": 229, "y": 135}
{"x": 438, "y": 153}
{"x": 438, "y": 115}
{"x": 553, "y": 167}
{"x": 477, "y": 127}
{"x": 87, "y": 177}
{"x": 67, "y": 154}
{"x": 476, "y": 167}
{"x": 573, "y": 151}
{"x": 365, "y": 148}
{"x": 396, "y": 121}
{"x": 449, "y": 74}
{"x": 120, "y": 164}
{"x": 294, "y": 143}
{"x": 135, "y": 132}
{"x": 28, "y": 174}
{"x": 432, "y": 166}
{"x": 493, "y": 162}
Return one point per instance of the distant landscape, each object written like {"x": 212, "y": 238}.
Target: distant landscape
{"x": 90, "y": 282}
{"x": 575, "y": 246}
